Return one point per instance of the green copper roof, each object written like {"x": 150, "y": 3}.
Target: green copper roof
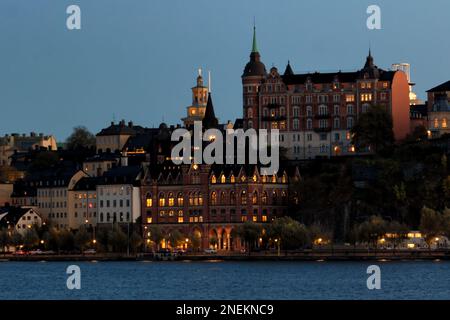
{"x": 255, "y": 46}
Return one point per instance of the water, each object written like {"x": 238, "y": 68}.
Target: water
{"x": 225, "y": 280}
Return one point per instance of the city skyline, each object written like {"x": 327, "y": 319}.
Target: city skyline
{"x": 146, "y": 77}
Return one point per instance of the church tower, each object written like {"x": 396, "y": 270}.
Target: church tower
{"x": 252, "y": 78}
{"x": 196, "y": 111}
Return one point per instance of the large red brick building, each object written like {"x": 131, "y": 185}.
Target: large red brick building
{"x": 315, "y": 111}
{"x": 208, "y": 202}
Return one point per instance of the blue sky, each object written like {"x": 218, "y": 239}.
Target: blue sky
{"x": 137, "y": 59}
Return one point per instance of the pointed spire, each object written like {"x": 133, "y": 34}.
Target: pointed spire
{"x": 254, "y": 45}
{"x": 288, "y": 71}
{"x": 369, "y": 60}
{"x": 210, "y": 120}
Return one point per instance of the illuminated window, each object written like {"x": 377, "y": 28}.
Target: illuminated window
{"x": 243, "y": 178}
{"x": 444, "y": 123}
{"x": 264, "y": 218}
{"x": 243, "y": 198}
{"x": 223, "y": 179}
{"x": 171, "y": 200}
{"x": 200, "y": 199}
{"x": 180, "y": 220}
{"x": 366, "y": 97}
{"x": 349, "y": 98}
{"x": 213, "y": 179}
{"x": 180, "y": 199}
{"x": 162, "y": 200}
{"x": 284, "y": 178}
{"x": 274, "y": 179}
{"x": 162, "y": 213}
{"x": 232, "y": 179}
{"x": 436, "y": 123}
{"x": 264, "y": 179}
{"x": 213, "y": 198}
{"x": 244, "y": 218}
{"x": 255, "y": 218}
{"x": 149, "y": 219}
{"x": 255, "y": 198}
{"x": 264, "y": 198}
{"x": 254, "y": 178}
{"x": 171, "y": 213}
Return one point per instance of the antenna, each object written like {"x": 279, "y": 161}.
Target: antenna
{"x": 200, "y": 72}
{"x": 209, "y": 81}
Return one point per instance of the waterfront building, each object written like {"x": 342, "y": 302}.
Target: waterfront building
{"x": 209, "y": 202}
{"x": 19, "y": 219}
{"x": 82, "y": 203}
{"x": 52, "y": 193}
{"x": 316, "y": 111}
{"x": 118, "y": 195}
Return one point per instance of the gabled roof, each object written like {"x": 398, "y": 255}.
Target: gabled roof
{"x": 11, "y": 215}
{"x": 443, "y": 87}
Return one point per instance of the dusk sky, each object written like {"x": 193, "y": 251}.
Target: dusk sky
{"x": 137, "y": 60}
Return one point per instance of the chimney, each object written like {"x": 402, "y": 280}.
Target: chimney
{"x": 124, "y": 159}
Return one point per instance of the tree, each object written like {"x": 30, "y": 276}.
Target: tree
{"x": 119, "y": 240}
{"x": 44, "y": 160}
{"x": 250, "y": 233}
{"x": 82, "y": 238}
{"x": 289, "y": 233}
{"x": 4, "y": 239}
{"x": 80, "y": 138}
{"x": 373, "y": 129}
{"x": 430, "y": 224}
{"x": 372, "y": 230}
{"x": 156, "y": 235}
{"x": 175, "y": 238}
{"x": 135, "y": 241}
{"x": 16, "y": 239}
{"x": 30, "y": 239}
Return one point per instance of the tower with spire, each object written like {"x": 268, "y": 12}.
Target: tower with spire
{"x": 252, "y": 78}
{"x": 196, "y": 111}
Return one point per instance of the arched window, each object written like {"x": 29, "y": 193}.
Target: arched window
{"x": 232, "y": 198}
{"x": 323, "y": 110}
{"x": 284, "y": 178}
{"x": 283, "y": 197}
{"x": 274, "y": 197}
{"x": 232, "y": 179}
{"x": 243, "y": 197}
{"x": 255, "y": 197}
{"x": 191, "y": 199}
{"x": 274, "y": 179}
{"x": 264, "y": 198}
{"x": 309, "y": 111}
{"x": 200, "y": 199}
{"x": 255, "y": 178}
{"x": 223, "y": 198}
{"x": 213, "y": 198}
{"x": 162, "y": 200}
{"x": 213, "y": 179}
{"x": 444, "y": 123}
{"x": 180, "y": 199}
{"x": 223, "y": 179}
{"x": 436, "y": 122}
{"x": 171, "y": 199}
